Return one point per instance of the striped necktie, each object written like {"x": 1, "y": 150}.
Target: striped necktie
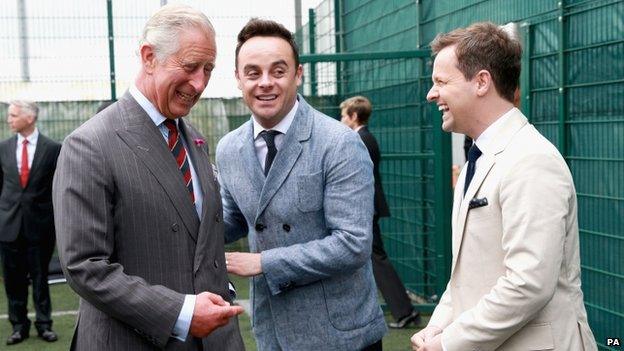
{"x": 179, "y": 153}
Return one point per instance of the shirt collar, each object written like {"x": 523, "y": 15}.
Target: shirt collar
{"x": 282, "y": 126}
{"x": 147, "y": 105}
{"x": 485, "y": 139}
{"x": 32, "y": 138}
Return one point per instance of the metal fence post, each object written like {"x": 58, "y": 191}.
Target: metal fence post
{"x": 562, "y": 103}
{"x": 23, "y": 39}
{"x": 443, "y": 202}
{"x": 111, "y": 49}
{"x": 312, "y": 42}
{"x": 525, "y": 73}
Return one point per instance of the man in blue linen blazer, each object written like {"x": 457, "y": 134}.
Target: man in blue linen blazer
{"x": 309, "y": 220}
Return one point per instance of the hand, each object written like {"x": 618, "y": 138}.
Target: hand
{"x": 426, "y": 335}
{"x": 211, "y": 311}
{"x": 243, "y": 264}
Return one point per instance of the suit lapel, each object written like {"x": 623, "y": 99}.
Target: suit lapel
{"x": 287, "y": 154}
{"x": 145, "y": 140}
{"x": 199, "y": 157}
{"x": 251, "y": 165}
{"x": 504, "y": 135}
{"x": 40, "y": 152}
{"x": 204, "y": 171}
{"x": 10, "y": 157}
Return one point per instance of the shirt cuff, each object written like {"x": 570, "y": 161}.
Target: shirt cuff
{"x": 183, "y": 324}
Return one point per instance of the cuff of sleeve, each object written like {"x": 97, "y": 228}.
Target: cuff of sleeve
{"x": 183, "y": 324}
{"x": 442, "y": 342}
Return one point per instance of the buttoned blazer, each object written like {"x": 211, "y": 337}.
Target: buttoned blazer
{"x": 311, "y": 219}
{"x": 515, "y": 279}
{"x": 381, "y": 206}
{"x": 130, "y": 241}
{"x": 30, "y": 207}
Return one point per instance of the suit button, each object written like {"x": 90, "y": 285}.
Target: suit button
{"x": 216, "y": 264}
{"x": 217, "y": 218}
{"x": 286, "y": 227}
{"x": 175, "y": 227}
{"x": 260, "y": 227}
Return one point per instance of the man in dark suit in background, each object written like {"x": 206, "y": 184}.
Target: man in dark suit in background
{"x": 355, "y": 113}
{"x": 28, "y": 162}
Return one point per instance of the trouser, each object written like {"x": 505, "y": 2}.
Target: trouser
{"x": 387, "y": 279}
{"x": 21, "y": 259}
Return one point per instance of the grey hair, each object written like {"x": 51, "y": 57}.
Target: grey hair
{"x": 162, "y": 29}
{"x": 26, "y": 106}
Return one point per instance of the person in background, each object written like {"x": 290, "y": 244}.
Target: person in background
{"x": 28, "y": 161}
{"x": 355, "y": 113}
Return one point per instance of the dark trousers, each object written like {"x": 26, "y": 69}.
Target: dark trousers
{"x": 20, "y": 259}
{"x": 387, "y": 279}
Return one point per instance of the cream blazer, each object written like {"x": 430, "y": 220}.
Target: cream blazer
{"x": 515, "y": 279}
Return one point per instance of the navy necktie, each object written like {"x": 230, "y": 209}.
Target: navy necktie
{"x": 269, "y": 139}
{"x": 473, "y": 155}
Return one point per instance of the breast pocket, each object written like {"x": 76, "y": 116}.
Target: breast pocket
{"x": 310, "y": 191}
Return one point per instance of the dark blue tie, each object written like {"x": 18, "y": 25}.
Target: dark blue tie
{"x": 269, "y": 139}
{"x": 473, "y": 155}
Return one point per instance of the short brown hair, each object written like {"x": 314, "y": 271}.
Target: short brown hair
{"x": 360, "y": 105}
{"x": 485, "y": 45}
{"x": 265, "y": 28}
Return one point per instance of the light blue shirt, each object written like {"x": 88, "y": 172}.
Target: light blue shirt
{"x": 183, "y": 324}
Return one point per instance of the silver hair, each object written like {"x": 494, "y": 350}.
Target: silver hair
{"x": 162, "y": 29}
{"x": 26, "y": 106}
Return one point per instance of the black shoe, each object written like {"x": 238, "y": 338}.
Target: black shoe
{"x": 17, "y": 337}
{"x": 413, "y": 317}
{"x": 48, "y": 335}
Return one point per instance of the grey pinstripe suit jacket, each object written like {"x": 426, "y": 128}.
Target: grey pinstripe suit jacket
{"x": 130, "y": 242}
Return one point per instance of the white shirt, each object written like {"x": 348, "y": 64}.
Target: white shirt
{"x": 485, "y": 139}
{"x": 282, "y": 127}
{"x": 183, "y": 324}
{"x": 30, "y": 148}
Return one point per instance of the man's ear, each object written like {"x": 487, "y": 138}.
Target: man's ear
{"x": 354, "y": 117}
{"x": 483, "y": 80}
{"x": 148, "y": 58}
{"x": 299, "y": 74}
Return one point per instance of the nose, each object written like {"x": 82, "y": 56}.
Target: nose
{"x": 432, "y": 95}
{"x": 265, "y": 81}
{"x": 199, "y": 80}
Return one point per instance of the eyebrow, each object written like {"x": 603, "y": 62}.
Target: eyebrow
{"x": 273, "y": 64}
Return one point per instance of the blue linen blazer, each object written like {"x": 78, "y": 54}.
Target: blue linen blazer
{"x": 311, "y": 219}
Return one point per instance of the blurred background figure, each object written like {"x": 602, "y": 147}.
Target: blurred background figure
{"x": 355, "y": 113}
{"x": 28, "y": 162}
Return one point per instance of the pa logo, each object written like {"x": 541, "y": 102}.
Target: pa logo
{"x": 613, "y": 342}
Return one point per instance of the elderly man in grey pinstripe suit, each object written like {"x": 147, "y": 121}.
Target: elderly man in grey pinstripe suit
{"x": 138, "y": 211}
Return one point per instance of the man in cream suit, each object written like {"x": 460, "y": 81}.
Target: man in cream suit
{"x": 515, "y": 280}
{"x": 137, "y": 206}
{"x": 300, "y": 184}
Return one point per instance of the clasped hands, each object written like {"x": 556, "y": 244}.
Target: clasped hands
{"x": 428, "y": 339}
